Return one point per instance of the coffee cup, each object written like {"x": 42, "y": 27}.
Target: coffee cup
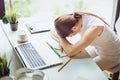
{"x": 22, "y": 36}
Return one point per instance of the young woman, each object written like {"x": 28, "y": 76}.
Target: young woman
{"x": 94, "y": 31}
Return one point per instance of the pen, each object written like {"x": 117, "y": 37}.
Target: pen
{"x": 53, "y": 49}
{"x": 64, "y": 65}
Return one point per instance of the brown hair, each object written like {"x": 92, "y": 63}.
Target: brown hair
{"x": 64, "y": 23}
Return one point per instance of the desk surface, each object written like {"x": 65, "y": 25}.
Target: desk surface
{"x": 76, "y": 69}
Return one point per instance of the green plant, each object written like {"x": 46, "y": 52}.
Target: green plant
{"x": 5, "y": 20}
{"x": 4, "y": 70}
{"x": 12, "y": 17}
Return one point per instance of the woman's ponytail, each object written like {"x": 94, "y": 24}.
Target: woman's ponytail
{"x": 77, "y": 16}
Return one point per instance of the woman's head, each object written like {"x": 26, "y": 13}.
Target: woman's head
{"x": 64, "y": 24}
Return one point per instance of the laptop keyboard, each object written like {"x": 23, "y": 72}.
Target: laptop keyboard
{"x": 31, "y": 55}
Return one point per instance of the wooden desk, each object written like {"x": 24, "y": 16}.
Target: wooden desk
{"x": 77, "y": 68}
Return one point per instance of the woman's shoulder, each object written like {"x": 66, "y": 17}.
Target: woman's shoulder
{"x": 88, "y": 17}
{"x": 92, "y": 20}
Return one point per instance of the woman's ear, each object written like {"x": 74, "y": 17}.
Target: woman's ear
{"x": 74, "y": 28}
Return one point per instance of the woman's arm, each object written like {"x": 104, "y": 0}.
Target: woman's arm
{"x": 88, "y": 37}
{"x": 54, "y": 35}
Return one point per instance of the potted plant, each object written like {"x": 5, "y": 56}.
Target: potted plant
{"x": 11, "y": 17}
{"x": 4, "y": 70}
{"x": 13, "y": 20}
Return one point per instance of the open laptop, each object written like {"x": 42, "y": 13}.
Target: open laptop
{"x": 37, "y": 55}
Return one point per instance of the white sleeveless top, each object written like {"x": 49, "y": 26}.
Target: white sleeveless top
{"x": 107, "y": 44}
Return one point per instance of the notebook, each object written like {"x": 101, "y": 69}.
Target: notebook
{"x": 38, "y": 27}
{"x": 37, "y": 56}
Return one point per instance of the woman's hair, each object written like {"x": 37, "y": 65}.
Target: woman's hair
{"x": 64, "y": 23}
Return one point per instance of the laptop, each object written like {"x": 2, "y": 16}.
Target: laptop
{"x": 37, "y": 55}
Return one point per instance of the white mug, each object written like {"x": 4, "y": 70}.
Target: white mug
{"x": 22, "y": 36}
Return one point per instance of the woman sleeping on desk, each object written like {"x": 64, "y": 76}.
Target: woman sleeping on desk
{"x": 94, "y": 31}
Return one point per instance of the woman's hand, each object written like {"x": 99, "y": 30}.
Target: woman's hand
{"x": 54, "y": 35}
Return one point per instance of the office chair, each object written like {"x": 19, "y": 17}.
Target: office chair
{"x": 115, "y": 76}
